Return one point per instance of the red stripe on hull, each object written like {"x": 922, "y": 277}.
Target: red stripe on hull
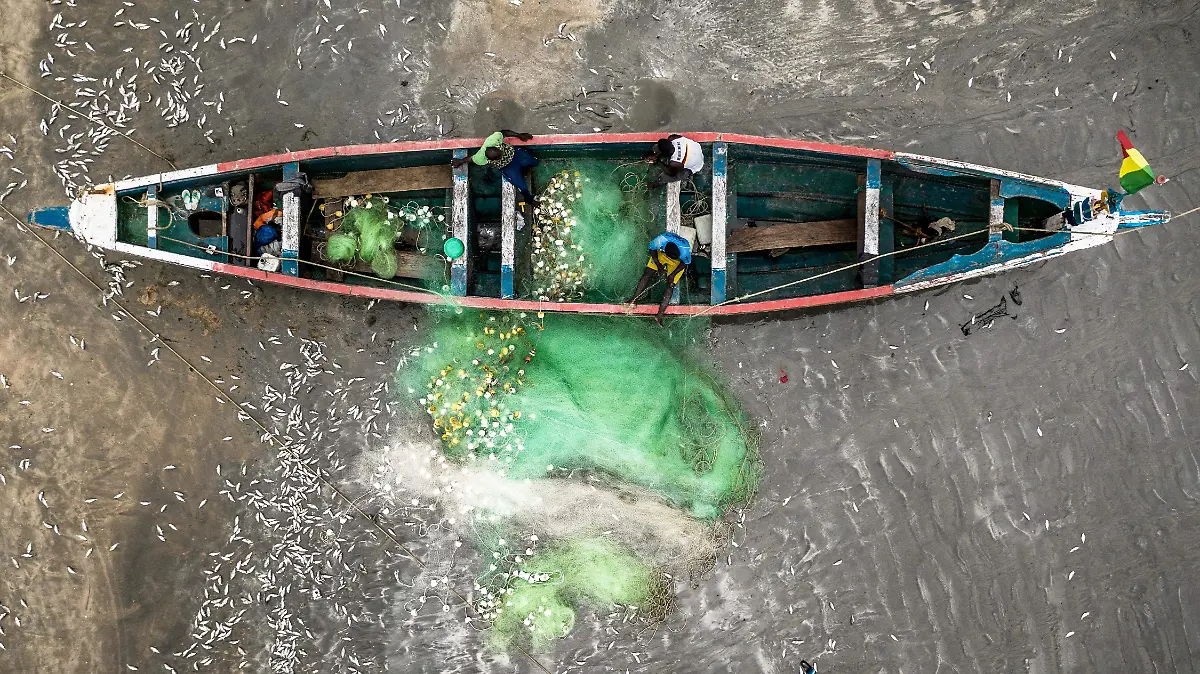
{"x": 812, "y": 146}
{"x": 555, "y": 139}
{"x": 492, "y": 303}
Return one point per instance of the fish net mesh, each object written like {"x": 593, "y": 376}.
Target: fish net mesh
{"x": 370, "y": 226}
{"x": 341, "y": 247}
{"x": 591, "y": 231}
{"x": 536, "y": 600}
{"x": 614, "y": 396}
{"x": 615, "y": 403}
{"x": 376, "y": 232}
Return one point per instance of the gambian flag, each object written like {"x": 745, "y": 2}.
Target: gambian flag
{"x": 1135, "y": 172}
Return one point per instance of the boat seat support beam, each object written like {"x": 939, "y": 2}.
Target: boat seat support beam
{"x": 152, "y": 216}
{"x": 720, "y": 219}
{"x": 996, "y": 213}
{"x": 290, "y": 262}
{"x": 673, "y": 220}
{"x": 460, "y": 269}
{"x": 508, "y": 239}
{"x": 868, "y": 223}
{"x": 887, "y": 232}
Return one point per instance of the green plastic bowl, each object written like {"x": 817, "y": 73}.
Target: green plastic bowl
{"x": 454, "y": 248}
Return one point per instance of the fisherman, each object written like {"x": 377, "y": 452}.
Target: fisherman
{"x": 512, "y": 161}
{"x": 681, "y": 158}
{"x": 670, "y": 254}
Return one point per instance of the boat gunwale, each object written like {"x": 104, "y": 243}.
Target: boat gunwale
{"x": 403, "y": 147}
{"x": 733, "y": 307}
{"x": 549, "y": 139}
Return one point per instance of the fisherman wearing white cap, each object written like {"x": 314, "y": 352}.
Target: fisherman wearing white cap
{"x": 681, "y": 158}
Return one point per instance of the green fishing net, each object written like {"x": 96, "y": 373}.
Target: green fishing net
{"x": 376, "y": 232}
{"x": 384, "y": 264}
{"x": 569, "y": 400}
{"x": 617, "y": 225}
{"x": 592, "y": 230}
{"x": 341, "y": 247}
{"x": 371, "y": 225}
{"x": 533, "y": 603}
{"x": 612, "y": 396}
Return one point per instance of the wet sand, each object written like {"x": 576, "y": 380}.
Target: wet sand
{"x": 954, "y": 504}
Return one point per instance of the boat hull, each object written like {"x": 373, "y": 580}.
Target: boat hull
{"x": 93, "y": 217}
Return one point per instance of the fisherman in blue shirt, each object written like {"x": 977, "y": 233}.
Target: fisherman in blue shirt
{"x": 670, "y": 254}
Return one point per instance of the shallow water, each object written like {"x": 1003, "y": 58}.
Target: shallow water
{"x": 1020, "y": 499}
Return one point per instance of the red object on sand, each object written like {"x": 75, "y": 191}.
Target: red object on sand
{"x": 782, "y": 377}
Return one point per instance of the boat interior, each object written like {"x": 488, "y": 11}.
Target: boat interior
{"x": 791, "y": 215}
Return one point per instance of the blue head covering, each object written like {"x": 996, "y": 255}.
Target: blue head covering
{"x": 660, "y": 242}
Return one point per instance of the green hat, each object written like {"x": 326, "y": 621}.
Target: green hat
{"x": 494, "y": 140}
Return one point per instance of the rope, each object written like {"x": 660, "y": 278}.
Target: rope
{"x": 1173, "y": 217}
{"x": 211, "y": 250}
{"x": 699, "y": 204}
{"x": 146, "y": 202}
{"x": 855, "y": 265}
{"x": 89, "y": 118}
{"x": 266, "y": 431}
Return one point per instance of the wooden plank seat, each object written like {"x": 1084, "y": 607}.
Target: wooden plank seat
{"x": 408, "y": 179}
{"x": 409, "y": 264}
{"x": 774, "y": 235}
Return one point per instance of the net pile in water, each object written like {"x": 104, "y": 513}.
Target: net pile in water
{"x": 469, "y": 399}
{"x": 608, "y": 395}
{"x": 533, "y": 601}
{"x": 556, "y": 397}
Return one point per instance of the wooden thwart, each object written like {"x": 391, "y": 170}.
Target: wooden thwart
{"x": 408, "y": 265}
{"x": 385, "y": 180}
{"x": 791, "y": 235}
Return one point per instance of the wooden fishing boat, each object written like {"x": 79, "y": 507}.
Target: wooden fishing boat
{"x": 781, "y": 224}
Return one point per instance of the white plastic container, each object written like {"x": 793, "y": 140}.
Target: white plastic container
{"x": 704, "y": 229}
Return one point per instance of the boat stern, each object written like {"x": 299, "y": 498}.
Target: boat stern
{"x": 93, "y": 216}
